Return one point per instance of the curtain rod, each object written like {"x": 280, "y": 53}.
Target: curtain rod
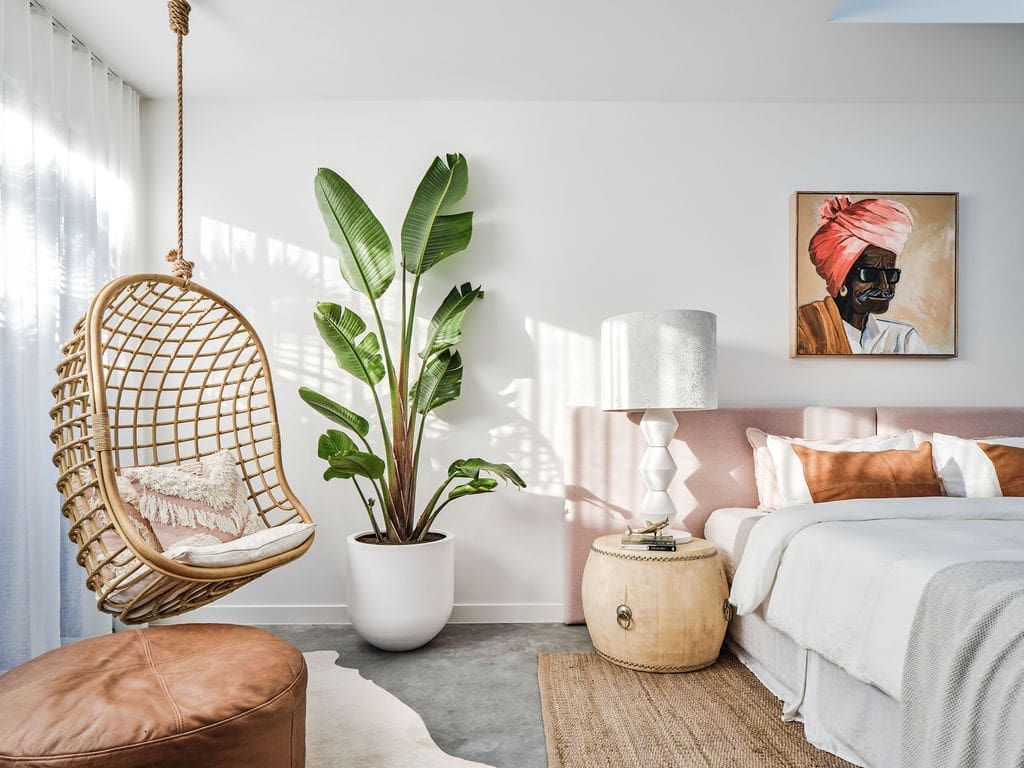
{"x": 75, "y": 40}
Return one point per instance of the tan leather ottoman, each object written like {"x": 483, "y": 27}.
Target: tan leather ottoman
{"x": 190, "y": 695}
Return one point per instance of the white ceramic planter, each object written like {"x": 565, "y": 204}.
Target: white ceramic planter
{"x": 400, "y": 596}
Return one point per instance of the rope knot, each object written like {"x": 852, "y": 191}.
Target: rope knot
{"x": 180, "y": 268}
{"x": 177, "y": 11}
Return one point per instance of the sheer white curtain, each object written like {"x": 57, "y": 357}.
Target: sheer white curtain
{"x": 69, "y": 157}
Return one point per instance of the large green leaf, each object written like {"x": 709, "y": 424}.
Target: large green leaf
{"x": 472, "y": 468}
{"x": 473, "y": 487}
{"x": 440, "y": 382}
{"x": 341, "y": 329}
{"x": 345, "y": 459}
{"x": 450, "y": 235}
{"x": 358, "y": 463}
{"x": 446, "y": 325}
{"x": 332, "y": 442}
{"x": 430, "y": 233}
{"x": 336, "y": 412}
{"x": 366, "y": 257}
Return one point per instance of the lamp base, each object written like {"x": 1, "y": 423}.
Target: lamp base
{"x": 657, "y": 468}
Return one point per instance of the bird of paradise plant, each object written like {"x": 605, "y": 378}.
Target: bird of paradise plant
{"x": 415, "y": 387}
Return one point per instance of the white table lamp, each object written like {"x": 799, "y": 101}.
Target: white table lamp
{"x": 659, "y": 362}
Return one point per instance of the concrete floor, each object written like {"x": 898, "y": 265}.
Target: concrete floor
{"x": 474, "y": 685}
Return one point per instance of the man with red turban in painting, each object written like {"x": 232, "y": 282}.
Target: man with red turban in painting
{"x": 855, "y": 251}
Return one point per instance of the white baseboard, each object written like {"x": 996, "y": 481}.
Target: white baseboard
{"x": 507, "y": 613}
{"x": 463, "y": 613}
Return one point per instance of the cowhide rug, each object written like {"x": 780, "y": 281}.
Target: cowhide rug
{"x": 352, "y": 722}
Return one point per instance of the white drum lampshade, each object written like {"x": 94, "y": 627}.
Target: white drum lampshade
{"x": 659, "y": 362}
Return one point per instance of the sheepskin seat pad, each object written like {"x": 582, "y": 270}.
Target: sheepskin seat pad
{"x": 200, "y": 695}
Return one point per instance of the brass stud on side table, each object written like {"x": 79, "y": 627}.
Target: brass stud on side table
{"x": 655, "y": 611}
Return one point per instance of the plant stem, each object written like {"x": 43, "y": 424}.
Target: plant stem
{"x": 387, "y": 442}
{"x": 369, "y": 510}
{"x": 380, "y": 498}
{"x": 407, "y": 331}
{"x": 400, "y": 401}
{"x": 412, "y": 416}
{"x": 404, "y": 313}
{"x": 413, "y": 469}
{"x": 376, "y": 484}
{"x": 402, "y": 451}
{"x": 421, "y": 524}
{"x": 383, "y": 342}
{"x": 433, "y": 517}
{"x": 396, "y": 508}
{"x": 419, "y": 442}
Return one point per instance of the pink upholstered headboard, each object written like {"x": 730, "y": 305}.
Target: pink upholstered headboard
{"x": 716, "y": 467}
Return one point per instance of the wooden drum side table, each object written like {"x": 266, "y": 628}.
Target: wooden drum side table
{"x": 656, "y": 611}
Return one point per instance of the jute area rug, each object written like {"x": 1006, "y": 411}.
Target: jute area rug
{"x": 598, "y": 714}
{"x": 353, "y": 723}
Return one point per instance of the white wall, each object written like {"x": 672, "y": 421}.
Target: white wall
{"x": 583, "y": 210}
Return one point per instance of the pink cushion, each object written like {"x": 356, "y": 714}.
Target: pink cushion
{"x": 112, "y": 541}
{"x": 199, "y": 503}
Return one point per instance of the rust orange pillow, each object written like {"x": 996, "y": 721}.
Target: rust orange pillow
{"x": 835, "y": 475}
{"x": 1009, "y": 465}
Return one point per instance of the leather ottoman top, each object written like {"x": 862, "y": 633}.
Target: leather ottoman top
{"x": 159, "y": 683}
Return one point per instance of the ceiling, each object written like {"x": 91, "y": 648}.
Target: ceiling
{"x": 644, "y": 50}
{"x": 931, "y": 11}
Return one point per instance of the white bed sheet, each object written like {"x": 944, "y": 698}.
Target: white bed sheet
{"x": 844, "y": 578}
{"x": 728, "y": 529}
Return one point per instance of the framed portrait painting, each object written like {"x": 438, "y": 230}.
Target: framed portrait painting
{"x": 875, "y": 273}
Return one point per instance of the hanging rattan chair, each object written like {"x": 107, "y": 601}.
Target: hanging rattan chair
{"x": 159, "y": 373}
{"x": 162, "y": 371}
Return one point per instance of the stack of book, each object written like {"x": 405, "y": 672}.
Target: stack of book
{"x": 664, "y": 540}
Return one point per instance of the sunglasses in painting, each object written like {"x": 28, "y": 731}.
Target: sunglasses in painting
{"x": 871, "y": 274}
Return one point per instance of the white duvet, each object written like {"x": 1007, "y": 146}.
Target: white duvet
{"x": 844, "y": 578}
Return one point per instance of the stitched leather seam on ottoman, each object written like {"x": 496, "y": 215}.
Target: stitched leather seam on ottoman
{"x": 163, "y": 683}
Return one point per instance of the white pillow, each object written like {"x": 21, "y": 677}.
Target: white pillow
{"x": 790, "y": 472}
{"x": 764, "y": 471}
{"x": 964, "y": 468}
{"x": 920, "y": 437}
{"x": 247, "y": 549}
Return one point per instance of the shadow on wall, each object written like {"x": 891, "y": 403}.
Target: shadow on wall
{"x": 515, "y": 376}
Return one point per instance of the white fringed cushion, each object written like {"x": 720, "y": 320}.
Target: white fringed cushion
{"x": 964, "y": 468}
{"x": 789, "y": 471}
{"x": 205, "y": 498}
{"x": 248, "y": 549}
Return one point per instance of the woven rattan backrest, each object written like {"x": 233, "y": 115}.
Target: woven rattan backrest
{"x": 184, "y": 376}
{"x": 158, "y": 373}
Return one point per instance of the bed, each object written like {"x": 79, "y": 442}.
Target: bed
{"x": 839, "y": 672}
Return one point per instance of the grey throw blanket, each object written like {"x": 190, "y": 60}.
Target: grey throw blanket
{"x": 963, "y": 678}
